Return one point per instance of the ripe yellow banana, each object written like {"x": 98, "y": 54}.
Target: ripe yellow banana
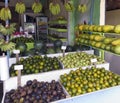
{"x": 5, "y": 13}
{"x": 1, "y": 41}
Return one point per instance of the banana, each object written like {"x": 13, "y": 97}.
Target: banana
{"x": 79, "y": 8}
{"x": 20, "y": 7}
{"x": 8, "y": 30}
{"x": 82, "y": 8}
{"x": 54, "y": 8}
{"x": 37, "y": 7}
{"x": 8, "y": 46}
{"x": 69, "y": 7}
{"x": 1, "y": 41}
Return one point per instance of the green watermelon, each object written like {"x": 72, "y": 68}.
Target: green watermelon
{"x": 38, "y": 44}
{"x": 69, "y": 48}
{"x": 21, "y": 46}
{"x": 57, "y": 43}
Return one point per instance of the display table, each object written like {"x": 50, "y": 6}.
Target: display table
{"x": 109, "y": 95}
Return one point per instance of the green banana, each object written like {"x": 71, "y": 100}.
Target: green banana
{"x": 54, "y": 8}
{"x": 20, "y": 7}
{"x": 8, "y": 30}
{"x": 7, "y": 46}
{"x": 69, "y": 7}
{"x": 37, "y": 7}
{"x": 82, "y": 8}
{"x": 5, "y": 13}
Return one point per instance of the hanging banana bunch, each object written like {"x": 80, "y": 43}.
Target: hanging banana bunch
{"x": 69, "y": 7}
{"x": 37, "y": 6}
{"x": 1, "y": 41}
{"x": 82, "y": 8}
{"x": 5, "y": 14}
{"x": 8, "y": 30}
{"x": 20, "y": 7}
{"x": 54, "y": 7}
{"x": 7, "y": 46}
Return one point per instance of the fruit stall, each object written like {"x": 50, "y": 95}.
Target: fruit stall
{"x": 59, "y": 53}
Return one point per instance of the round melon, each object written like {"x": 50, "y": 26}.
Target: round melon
{"x": 57, "y": 43}
{"x": 38, "y": 44}
{"x": 21, "y": 46}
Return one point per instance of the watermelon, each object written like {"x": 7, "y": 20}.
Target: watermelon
{"x": 57, "y": 43}
{"x": 69, "y": 48}
{"x": 38, "y": 44}
{"x": 21, "y": 46}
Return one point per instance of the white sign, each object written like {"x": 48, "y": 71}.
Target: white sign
{"x": 93, "y": 60}
{"x": 63, "y": 47}
{"x": 18, "y": 67}
{"x": 16, "y": 51}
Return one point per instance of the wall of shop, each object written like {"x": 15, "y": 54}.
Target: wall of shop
{"x": 113, "y": 18}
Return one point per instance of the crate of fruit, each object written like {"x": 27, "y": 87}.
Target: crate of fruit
{"x": 36, "y": 64}
{"x": 82, "y": 59}
{"x": 90, "y": 85}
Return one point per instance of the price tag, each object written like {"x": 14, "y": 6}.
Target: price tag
{"x": 93, "y": 60}
{"x": 16, "y": 51}
{"x": 18, "y": 67}
{"x": 63, "y": 47}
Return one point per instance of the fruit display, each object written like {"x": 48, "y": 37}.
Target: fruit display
{"x": 101, "y": 42}
{"x": 100, "y": 28}
{"x": 20, "y": 7}
{"x": 54, "y": 8}
{"x": 36, "y": 92}
{"x": 78, "y": 59}
{"x": 82, "y": 8}
{"x": 37, "y": 6}
{"x": 36, "y": 64}
{"x": 5, "y": 14}
{"x": 69, "y": 6}
{"x": 87, "y": 80}
{"x": 22, "y": 39}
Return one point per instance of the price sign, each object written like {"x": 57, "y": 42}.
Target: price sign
{"x": 93, "y": 60}
{"x": 63, "y": 47}
{"x": 16, "y": 51}
{"x": 18, "y": 67}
